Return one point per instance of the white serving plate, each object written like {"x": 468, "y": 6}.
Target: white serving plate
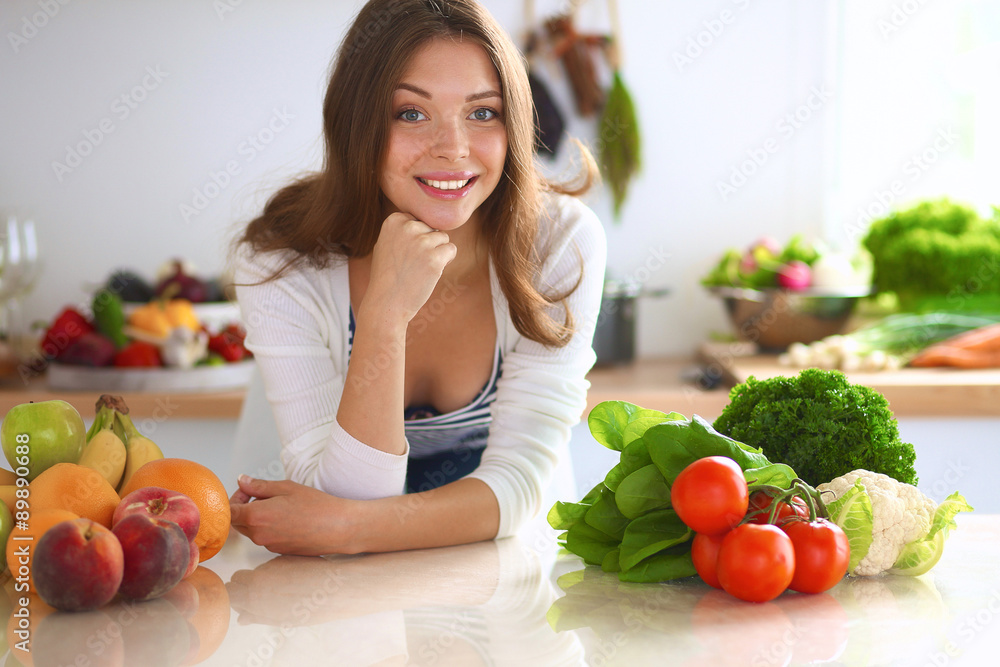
{"x": 232, "y": 376}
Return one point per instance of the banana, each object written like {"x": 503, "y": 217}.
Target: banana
{"x": 139, "y": 449}
{"x": 105, "y": 451}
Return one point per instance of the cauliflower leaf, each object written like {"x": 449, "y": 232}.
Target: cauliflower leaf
{"x": 853, "y": 513}
{"x": 921, "y": 555}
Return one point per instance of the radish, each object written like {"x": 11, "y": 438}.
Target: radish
{"x": 795, "y": 275}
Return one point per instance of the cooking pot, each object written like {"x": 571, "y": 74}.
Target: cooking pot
{"x": 614, "y": 335}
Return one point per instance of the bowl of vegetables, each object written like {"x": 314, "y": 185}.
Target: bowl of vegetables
{"x": 775, "y": 296}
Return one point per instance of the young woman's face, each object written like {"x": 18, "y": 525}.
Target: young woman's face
{"x": 447, "y": 140}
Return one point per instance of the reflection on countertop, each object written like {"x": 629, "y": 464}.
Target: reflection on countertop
{"x": 517, "y": 602}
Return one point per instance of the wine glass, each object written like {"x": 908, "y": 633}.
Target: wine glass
{"x": 19, "y": 271}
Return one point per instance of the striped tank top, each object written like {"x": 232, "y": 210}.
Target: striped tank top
{"x": 430, "y": 432}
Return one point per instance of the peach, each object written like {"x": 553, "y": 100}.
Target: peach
{"x": 157, "y": 554}
{"x": 195, "y": 559}
{"x": 161, "y": 503}
{"x": 78, "y": 565}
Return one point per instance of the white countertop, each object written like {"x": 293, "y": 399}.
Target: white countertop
{"x": 519, "y": 602}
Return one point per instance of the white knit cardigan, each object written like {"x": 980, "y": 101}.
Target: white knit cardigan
{"x": 297, "y": 329}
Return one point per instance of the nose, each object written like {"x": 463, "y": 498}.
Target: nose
{"x": 451, "y": 140}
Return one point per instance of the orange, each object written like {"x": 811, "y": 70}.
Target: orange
{"x": 200, "y": 485}
{"x": 76, "y": 488}
{"x": 39, "y": 521}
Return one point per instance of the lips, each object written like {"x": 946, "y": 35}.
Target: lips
{"x": 446, "y": 186}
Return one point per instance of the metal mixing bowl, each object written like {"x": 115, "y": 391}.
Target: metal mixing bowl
{"x": 776, "y": 318}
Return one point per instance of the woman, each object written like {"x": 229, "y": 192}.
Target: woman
{"x": 422, "y": 309}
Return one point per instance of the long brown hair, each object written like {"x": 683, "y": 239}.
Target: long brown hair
{"x": 339, "y": 211}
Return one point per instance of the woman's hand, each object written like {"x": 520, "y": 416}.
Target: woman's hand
{"x": 407, "y": 263}
{"x": 290, "y": 518}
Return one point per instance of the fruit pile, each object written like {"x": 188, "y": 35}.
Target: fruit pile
{"x": 161, "y": 328}
{"x": 91, "y": 516}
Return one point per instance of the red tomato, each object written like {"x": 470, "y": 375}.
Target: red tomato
{"x": 760, "y": 507}
{"x": 710, "y": 495}
{"x": 704, "y": 555}
{"x": 821, "y": 554}
{"x": 756, "y": 562}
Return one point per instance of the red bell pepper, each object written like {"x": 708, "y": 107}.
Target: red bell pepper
{"x": 68, "y": 327}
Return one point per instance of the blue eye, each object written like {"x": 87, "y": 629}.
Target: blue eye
{"x": 484, "y": 113}
{"x": 411, "y": 115}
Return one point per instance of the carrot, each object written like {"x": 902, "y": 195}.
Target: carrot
{"x": 981, "y": 339}
{"x": 948, "y": 355}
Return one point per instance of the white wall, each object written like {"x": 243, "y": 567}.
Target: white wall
{"x": 204, "y": 82}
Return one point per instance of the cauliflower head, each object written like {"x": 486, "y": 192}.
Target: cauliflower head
{"x": 901, "y": 513}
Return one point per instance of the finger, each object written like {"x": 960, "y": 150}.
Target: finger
{"x": 239, "y": 498}
{"x": 237, "y": 515}
{"x": 256, "y": 488}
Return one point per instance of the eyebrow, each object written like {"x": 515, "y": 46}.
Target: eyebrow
{"x": 471, "y": 98}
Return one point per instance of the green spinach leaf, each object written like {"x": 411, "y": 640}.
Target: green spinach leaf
{"x": 606, "y": 517}
{"x": 589, "y": 543}
{"x": 661, "y": 567}
{"x": 564, "y": 516}
{"x": 650, "y": 534}
{"x": 674, "y": 445}
{"x": 776, "y": 474}
{"x": 634, "y": 456}
{"x": 642, "y": 491}
{"x": 610, "y": 562}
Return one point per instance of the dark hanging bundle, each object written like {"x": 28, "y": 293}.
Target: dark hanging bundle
{"x": 549, "y": 121}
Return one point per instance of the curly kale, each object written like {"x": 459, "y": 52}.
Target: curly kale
{"x": 935, "y": 248}
{"x": 819, "y": 424}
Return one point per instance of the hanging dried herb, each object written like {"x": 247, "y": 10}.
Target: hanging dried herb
{"x": 618, "y": 130}
{"x": 620, "y": 147}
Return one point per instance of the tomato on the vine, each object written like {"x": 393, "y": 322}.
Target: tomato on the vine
{"x": 705, "y": 556}
{"x": 756, "y": 562}
{"x": 760, "y": 508}
{"x": 710, "y": 495}
{"x": 822, "y": 553}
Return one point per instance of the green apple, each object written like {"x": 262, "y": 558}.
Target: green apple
{"x": 36, "y": 436}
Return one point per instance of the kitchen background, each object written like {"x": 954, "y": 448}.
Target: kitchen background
{"x": 136, "y": 132}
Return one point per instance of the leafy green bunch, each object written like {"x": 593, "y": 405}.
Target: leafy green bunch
{"x": 819, "y": 424}
{"x": 934, "y": 249}
{"x": 626, "y": 523}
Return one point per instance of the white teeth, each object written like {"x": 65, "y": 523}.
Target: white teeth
{"x": 446, "y": 185}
